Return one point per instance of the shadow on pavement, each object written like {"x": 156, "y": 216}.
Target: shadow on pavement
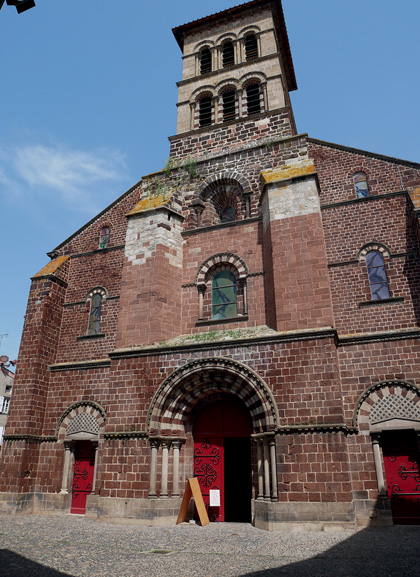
{"x": 14, "y": 565}
{"x": 391, "y": 551}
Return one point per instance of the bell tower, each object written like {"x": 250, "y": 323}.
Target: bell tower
{"x": 237, "y": 67}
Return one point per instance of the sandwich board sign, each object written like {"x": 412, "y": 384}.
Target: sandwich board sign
{"x": 193, "y": 490}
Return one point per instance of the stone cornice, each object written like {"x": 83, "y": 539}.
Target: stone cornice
{"x": 384, "y": 336}
{"x": 316, "y": 428}
{"x": 30, "y": 438}
{"x": 80, "y": 365}
{"x": 364, "y": 199}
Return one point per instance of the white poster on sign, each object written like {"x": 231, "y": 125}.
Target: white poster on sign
{"x": 214, "y": 498}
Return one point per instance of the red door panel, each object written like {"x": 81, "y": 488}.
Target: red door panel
{"x": 209, "y": 470}
{"x": 83, "y": 475}
{"x": 401, "y": 462}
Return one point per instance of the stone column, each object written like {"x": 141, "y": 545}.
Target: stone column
{"x": 201, "y": 290}
{"x": 165, "y": 466}
{"x": 245, "y": 296}
{"x": 176, "y": 445}
{"x": 382, "y": 494}
{"x": 66, "y": 468}
{"x": 215, "y": 110}
{"x": 239, "y": 97}
{"x": 192, "y": 115}
{"x": 266, "y": 471}
{"x": 154, "y": 444}
{"x": 264, "y": 106}
{"x": 95, "y": 466}
{"x": 260, "y": 496}
{"x": 274, "y": 490}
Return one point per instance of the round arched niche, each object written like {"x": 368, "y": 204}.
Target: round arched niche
{"x": 388, "y": 405}
{"x": 203, "y": 381}
{"x": 81, "y": 422}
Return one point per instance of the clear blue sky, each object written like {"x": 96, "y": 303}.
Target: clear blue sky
{"x": 88, "y": 100}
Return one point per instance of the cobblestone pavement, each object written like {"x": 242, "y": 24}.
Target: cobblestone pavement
{"x": 33, "y": 546}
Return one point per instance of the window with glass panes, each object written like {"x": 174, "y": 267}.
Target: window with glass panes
{"x": 224, "y": 295}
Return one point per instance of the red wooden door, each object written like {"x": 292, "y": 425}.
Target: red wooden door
{"x": 401, "y": 461}
{"x": 84, "y": 465}
{"x": 209, "y": 470}
{"x": 218, "y": 422}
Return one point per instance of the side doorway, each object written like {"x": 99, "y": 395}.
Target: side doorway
{"x": 83, "y": 475}
{"x": 222, "y": 460}
{"x": 401, "y": 463}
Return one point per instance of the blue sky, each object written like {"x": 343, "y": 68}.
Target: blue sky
{"x": 88, "y": 100}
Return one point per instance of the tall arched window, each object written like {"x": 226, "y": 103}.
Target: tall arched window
{"x": 104, "y": 237}
{"x": 229, "y": 105}
{"x": 228, "y": 54}
{"x": 224, "y": 295}
{"x": 95, "y": 314}
{"x": 251, "y": 47}
{"x": 205, "y": 111}
{"x": 361, "y": 185}
{"x": 205, "y": 61}
{"x": 253, "y": 100}
{"x": 377, "y": 275}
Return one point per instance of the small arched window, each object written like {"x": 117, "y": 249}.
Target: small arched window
{"x": 377, "y": 275}
{"x": 205, "y": 111}
{"x": 104, "y": 237}
{"x": 229, "y": 105}
{"x": 224, "y": 295}
{"x": 95, "y": 314}
{"x": 205, "y": 61}
{"x": 253, "y": 99}
{"x": 361, "y": 185}
{"x": 228, "y": 54}
{"x": 251, "y": 47}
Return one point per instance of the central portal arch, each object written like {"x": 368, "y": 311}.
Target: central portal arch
{"x": 215, "y": 404}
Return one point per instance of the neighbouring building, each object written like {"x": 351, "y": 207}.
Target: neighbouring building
{"x": 249, "y": 315}
{"x": 6, "y": 386}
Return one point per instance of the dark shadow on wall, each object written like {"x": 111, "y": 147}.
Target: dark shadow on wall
{"x": 14, "y": 565}
{"x": 411, "y": 267}
{"x": 373, "y": 552}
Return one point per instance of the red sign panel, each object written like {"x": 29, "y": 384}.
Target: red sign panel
{"x": 83, "y": 476}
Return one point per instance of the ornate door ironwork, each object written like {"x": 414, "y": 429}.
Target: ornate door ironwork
{"x": 209, "y": 470}
{"x": 82, "y": 485}
{"x": 401, "y": 461}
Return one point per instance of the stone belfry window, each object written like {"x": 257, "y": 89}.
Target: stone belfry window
{"x": 229, "y": 105}
{"x": 253, "y": 99}
{"x": 251, "y": 47}
{"x": 205, "y": 61}
{"x": 205, "y": 111}
{"x": 228, "y": 54}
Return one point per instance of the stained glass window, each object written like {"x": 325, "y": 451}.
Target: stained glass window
{"x": 95, "y": 314}
{"x": 360, "y": 185}
{"x": 104, "y": 238}
{"x": 224, "y": 295}
{"x": 377, "y": 275}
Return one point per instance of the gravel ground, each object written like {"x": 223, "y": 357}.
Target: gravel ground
{"x": 33, "y": 546}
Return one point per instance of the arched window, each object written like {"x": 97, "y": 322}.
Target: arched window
{"x": 377, "y": 275}
{"x": 205, "y": 61}
{"x": 228, "y": 54}
{"x": 224, "y": 295}
{"x": 104, "y": 237}
{"x": 205, "y": 111}
{"x": 229, "y": 105}
{"x": 251, "y": 47}
{"x": 253, "y": 99}
{"x": 361, "y": 185}
{"x": 95, "y": 314}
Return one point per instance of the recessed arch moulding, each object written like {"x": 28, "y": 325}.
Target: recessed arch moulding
{"x": 190, "y": 387}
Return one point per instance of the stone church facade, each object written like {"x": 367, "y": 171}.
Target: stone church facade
{"x": 249, "y": 315}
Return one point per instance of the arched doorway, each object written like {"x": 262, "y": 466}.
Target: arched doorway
{"x": 222, "y": 460}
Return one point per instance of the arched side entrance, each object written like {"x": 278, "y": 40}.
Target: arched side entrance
{"x": 203, "y": 397}
{"x": 78, "y": 429}
{"x": 222, "y": 459}
{"x": 390, "y": 412}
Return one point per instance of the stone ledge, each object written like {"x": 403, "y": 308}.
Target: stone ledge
{"x": 148, "y": 512}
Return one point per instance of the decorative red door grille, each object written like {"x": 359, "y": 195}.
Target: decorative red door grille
{"x": 208, "y": 468}
{"x": 401, "y": 460}
{"x": 83, "y": 475}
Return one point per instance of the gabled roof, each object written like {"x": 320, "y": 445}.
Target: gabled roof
{"x": 181, "y": 32}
